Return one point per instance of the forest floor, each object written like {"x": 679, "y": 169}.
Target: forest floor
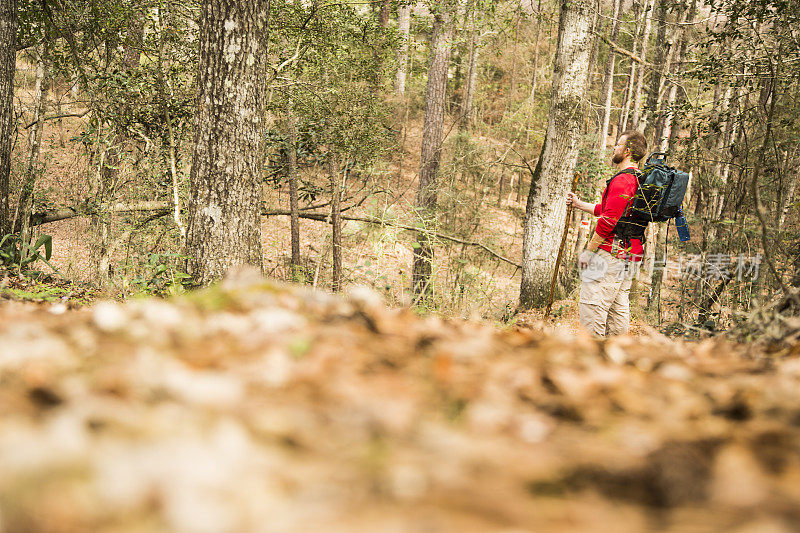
{"x": 256, "y": 406}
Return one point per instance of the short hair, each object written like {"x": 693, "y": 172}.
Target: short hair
{"x": 636, "y": 143}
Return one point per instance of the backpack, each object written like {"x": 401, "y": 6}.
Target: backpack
{"x": 661, "y": 191}
{"x": 658, "y": 197}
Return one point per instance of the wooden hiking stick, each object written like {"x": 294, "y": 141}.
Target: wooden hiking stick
{"x": 560, "y": 251}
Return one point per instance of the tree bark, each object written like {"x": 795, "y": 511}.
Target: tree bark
{"x": 431, "y": 152}
{"x": 403, "y": 27}
{"x": 608, "y": 85}
{"x": 225, "y": 180}
{"x": 8, "y": 66}
{"x": 546, "y": 208}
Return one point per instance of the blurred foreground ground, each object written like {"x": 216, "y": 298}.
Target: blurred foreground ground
{"x": 257, "y": 407}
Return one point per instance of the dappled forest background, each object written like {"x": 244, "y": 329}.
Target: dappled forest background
{"x": 103, "y": 128}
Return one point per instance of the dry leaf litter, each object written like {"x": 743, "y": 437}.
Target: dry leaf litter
{"x": 257, "y": 407}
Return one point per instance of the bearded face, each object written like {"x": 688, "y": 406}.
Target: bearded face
{"x": 619, "y": 151}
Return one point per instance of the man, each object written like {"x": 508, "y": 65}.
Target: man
{"x": 612, "y": 256}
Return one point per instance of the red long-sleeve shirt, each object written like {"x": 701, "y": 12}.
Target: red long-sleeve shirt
{"x": 618, "y": 193}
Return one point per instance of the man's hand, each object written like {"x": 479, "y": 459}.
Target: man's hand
{"x": 572, "y": 200}
{"x": 584, "y": 258}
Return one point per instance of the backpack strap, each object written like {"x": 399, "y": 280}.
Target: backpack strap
{"x": 629, "y": 227}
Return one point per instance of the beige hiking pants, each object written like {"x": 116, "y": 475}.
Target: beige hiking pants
{"x": 604, "y": 308}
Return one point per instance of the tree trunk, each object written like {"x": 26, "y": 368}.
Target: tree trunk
{"x": 660, "y": 59}
{"x": 225, "y": 180}
{"x": 34, "y": 143}
{"x": 512, "y": 82}
{"x": 431, "y": 152}
{"x": 132, "y": 49}
{"x": 669, "y": 140}
{"x": 788, "y": 198}
{"x": 383, "y": 17}
{"x": 637, "y": 93}
{"x": 8, "y": 66}
{"x": 336, "y": 222}
{"x": 294, "y": 202}
{"x": 535, "y": 77}
{"x": 659, "y": 243}
{"x": 468, "y": 111}
{"x": 597, "y": 29}
{"x": 720, "y": 153}
{"x": 608, "y": 84}
{"x": 403, "y": 27}
{"x": 546, "y": 208}
{"x": 666, "y": 136}
{"x": 624, "y": 116}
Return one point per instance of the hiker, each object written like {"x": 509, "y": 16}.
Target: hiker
{"x": 610, "y": 260}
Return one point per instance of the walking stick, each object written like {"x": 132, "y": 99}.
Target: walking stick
{"x": 560, "y": 252}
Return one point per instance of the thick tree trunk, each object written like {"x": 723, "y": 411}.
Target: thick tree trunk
{"x": 431, "y": 152}
{"x": 34, "y": 143}
{"x": 225, "y": 180}
{"x": 403, "y": 28}
{"x": 8, "y": 66}
{"x": 546, "y": 208}
{"x": 608, "y": 84}
{"x": 294, "y": 203}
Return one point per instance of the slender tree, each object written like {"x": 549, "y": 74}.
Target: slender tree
{"x": 468, "y": 108}
{"x": 334, "y": 172}
{"x": 403, "y": 27}
{"x": 608, "y": 84}
{"x": 663, "y": 46}
{"x": 294, "y": 201}
{"x": 225, "y": 180}
{"x": 640, "y": 68}
{"x": 546, "y": 208}
{"x": 34, "y": 142}
{"x": 432, "y": 136}
{"x": 8, "y": 63}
